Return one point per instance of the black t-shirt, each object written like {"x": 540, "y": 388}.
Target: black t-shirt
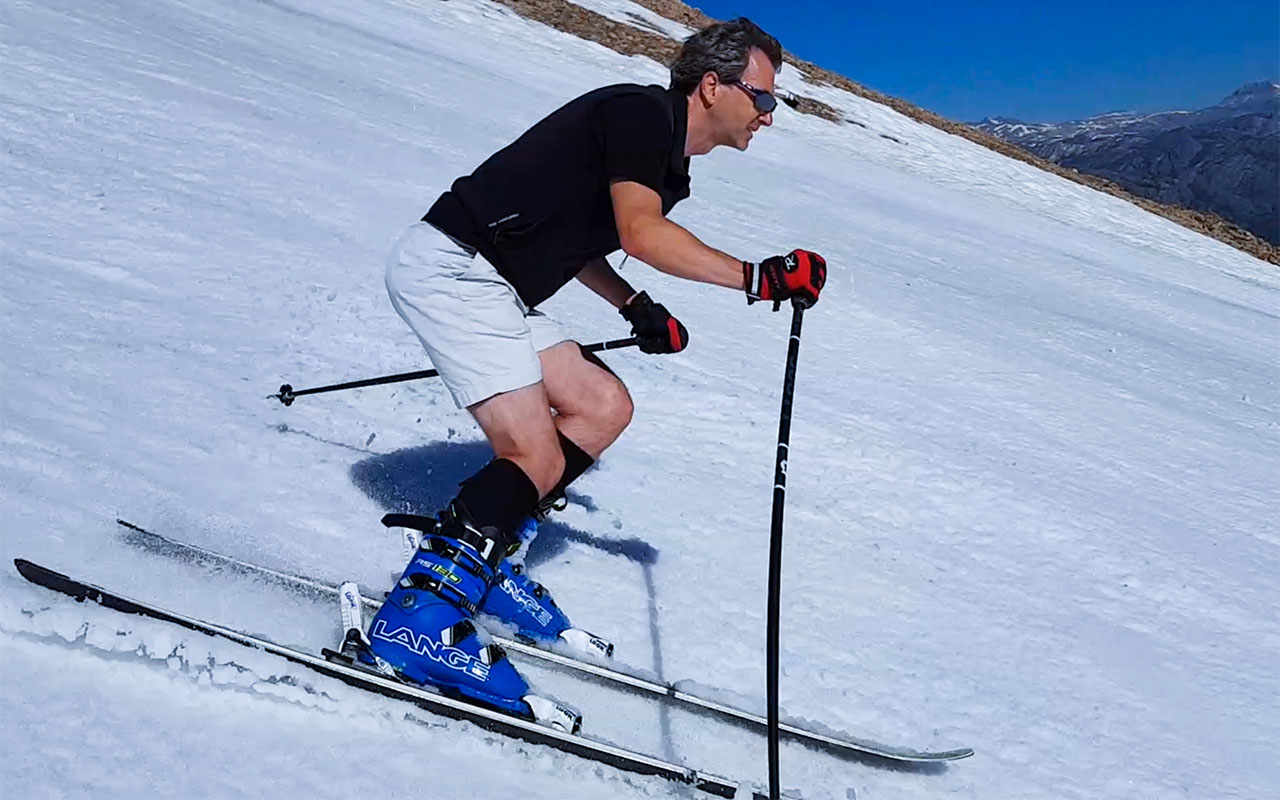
{"x": 540, "y": 208}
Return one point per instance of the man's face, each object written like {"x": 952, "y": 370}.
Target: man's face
{"x": 735, "y": 113}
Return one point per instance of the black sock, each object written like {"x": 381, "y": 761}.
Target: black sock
{"x": 499, "y": 496}
{"x": 576, "y": 462}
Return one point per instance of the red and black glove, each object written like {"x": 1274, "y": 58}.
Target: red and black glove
{"x": 653, "y": 325}
{"x": 799, "y": 275}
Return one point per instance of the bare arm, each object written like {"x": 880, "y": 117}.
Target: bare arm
{"x": 602, "y": 279}
{"x": 652, "y": 238}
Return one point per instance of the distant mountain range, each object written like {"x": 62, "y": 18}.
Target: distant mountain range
{"x": 1224, "y": 158}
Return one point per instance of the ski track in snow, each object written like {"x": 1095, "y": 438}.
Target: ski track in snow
{"x": 1033, "y": 474}
{"x": 240, "y": 722}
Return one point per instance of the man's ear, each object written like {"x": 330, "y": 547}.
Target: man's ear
{"x": 709, "y": 87}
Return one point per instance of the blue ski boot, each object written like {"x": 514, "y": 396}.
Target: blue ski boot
{"x": 424, "y": 630}
{"x": 516, "y": 599}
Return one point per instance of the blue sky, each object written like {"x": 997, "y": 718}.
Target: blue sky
{"x": 1041, "y": 62}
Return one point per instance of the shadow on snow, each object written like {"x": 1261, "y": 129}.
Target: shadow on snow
{"x": 422, "y": 480}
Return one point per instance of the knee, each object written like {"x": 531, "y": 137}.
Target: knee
{"x": 614, "y": 404}
{"x": 605, "y": 399}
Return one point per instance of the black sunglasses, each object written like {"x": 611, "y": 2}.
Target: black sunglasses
{"x": 764, "y": 102}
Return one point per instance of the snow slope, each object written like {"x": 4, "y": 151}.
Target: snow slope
{"x": 1034, "y": 461}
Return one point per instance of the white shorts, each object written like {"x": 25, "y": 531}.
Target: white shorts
{"x": 476, "y": 330}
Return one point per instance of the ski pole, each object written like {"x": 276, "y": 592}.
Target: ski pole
{"x": 775, "y": 544}
{"x": 288, "y": 394}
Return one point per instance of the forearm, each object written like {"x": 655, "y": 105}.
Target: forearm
{"x": 604, "y": 280}
{"x": 669, "y": 248}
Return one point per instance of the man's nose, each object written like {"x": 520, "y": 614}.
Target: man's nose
{"x": 767, "y": 119}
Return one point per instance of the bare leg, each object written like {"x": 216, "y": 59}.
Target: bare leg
{"x": 593, "y": 407}
{"x": 520, "y": 428}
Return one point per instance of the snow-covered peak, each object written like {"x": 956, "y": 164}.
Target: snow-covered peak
{"x": 1264, "y": 94}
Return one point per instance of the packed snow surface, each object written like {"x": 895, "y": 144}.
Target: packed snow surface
{"x": 1032, "y": 487}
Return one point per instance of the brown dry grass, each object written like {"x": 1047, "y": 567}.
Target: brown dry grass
{"x": 629, "y": 40}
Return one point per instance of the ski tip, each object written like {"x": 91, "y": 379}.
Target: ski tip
{"x": 50, "y": 579}
{"x": 929, "y": 757}
{"x": 28, "y": 569}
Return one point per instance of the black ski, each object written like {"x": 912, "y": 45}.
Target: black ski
{"x": 616, "y": 677}
{"x": 497, "y": 722}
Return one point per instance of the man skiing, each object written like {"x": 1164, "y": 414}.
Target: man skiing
{"x": 599, "y": 174}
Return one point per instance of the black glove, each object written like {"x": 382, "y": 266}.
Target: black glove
{"x": 799, "y": 275}
{"x": 653, "y": 325}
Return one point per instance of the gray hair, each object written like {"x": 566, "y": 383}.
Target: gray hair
{"x": 722, "y": 48}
